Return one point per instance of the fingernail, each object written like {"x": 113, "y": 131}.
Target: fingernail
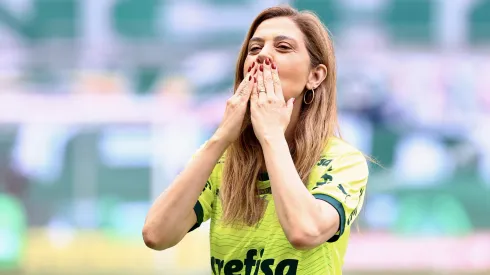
{"x": 273, "y": 66}
{"x": 253, "y": 64}
{"x": 267, "y": 61}
{"x": 249, "y": 78}
{"x": 261, "y": 68}
{"x": 255, "y": 71}
{"x": 294, "y": 99}
{"x": 255, "y": 79}
{"x": 249, "y": 68}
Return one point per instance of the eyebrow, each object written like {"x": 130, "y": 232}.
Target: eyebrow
{"x": 277, "y": 38}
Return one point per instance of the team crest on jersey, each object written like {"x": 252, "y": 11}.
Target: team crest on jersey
{"x": 253, "y": 263}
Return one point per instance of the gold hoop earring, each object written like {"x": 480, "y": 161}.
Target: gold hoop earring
{"x": 312, "y": 96}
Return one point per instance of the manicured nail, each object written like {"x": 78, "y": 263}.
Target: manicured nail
{"x": 261, "y": 67}
{"x": 253, "y": 64}
{"x": 255, "y": 79}
{"x": 267, "y": 61}
{"x": 249, "y": 78}
{"x": 249, "y": 68}
{"x": 255, "y": 71}
{"x": 273, "y": 66}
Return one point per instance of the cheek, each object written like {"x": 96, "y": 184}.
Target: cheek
{"x": 293, "y": 79}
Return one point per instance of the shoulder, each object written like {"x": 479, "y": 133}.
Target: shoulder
{"x": 342, "y": 155}
{"x": 336, "y": 147}
{"x": 341, "y": 163}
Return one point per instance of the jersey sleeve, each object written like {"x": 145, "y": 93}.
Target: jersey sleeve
{"x": 341, "y": 181}
{"x": 204, "y": 205}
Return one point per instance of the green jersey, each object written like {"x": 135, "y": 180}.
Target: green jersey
{"x": 339, "y": 178}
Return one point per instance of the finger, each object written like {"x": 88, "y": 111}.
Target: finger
{"x": 248, "y": 88}
{"x": 245, "y": 88}
{"x": 251, "y": 67}
{"x": 276, "y": 82}
{"x": 250, "y": 71}
{"x": 261, "y": 85}
{"x": 269, "y": 85}
{"x": 254, "y": 97}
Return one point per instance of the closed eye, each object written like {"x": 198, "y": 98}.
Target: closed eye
{"x": 284, "y": 47}
{"x": 254, "y": 50}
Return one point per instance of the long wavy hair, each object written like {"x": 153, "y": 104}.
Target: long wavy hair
{"x": 244, "y": 158}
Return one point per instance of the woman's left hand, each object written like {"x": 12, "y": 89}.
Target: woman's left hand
{"x": 269, "y": 110}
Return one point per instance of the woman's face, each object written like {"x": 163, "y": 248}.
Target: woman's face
{"x": 280, "y": 40}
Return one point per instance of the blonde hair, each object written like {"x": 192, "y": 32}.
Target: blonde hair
{"x": 317, "y": 123}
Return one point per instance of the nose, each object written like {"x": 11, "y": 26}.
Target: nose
{"x": 262, "y": 57}
{"x": 264, "y": 54}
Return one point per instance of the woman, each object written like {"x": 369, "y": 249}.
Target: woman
{"x": 280, "y": 189}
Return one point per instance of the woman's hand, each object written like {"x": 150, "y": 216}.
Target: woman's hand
{"x": 270, "y": 112}
{"x": 231, "y": 124}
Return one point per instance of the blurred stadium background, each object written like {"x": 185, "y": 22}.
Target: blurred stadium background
{"x": 102, "y": 102}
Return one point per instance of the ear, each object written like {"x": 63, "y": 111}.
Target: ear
{"x": 316, "y": 76}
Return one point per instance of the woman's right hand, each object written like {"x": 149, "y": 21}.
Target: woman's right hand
{"x": 230, "y": 127}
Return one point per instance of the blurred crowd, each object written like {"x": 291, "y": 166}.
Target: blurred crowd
{"x": 103, "y": 102}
